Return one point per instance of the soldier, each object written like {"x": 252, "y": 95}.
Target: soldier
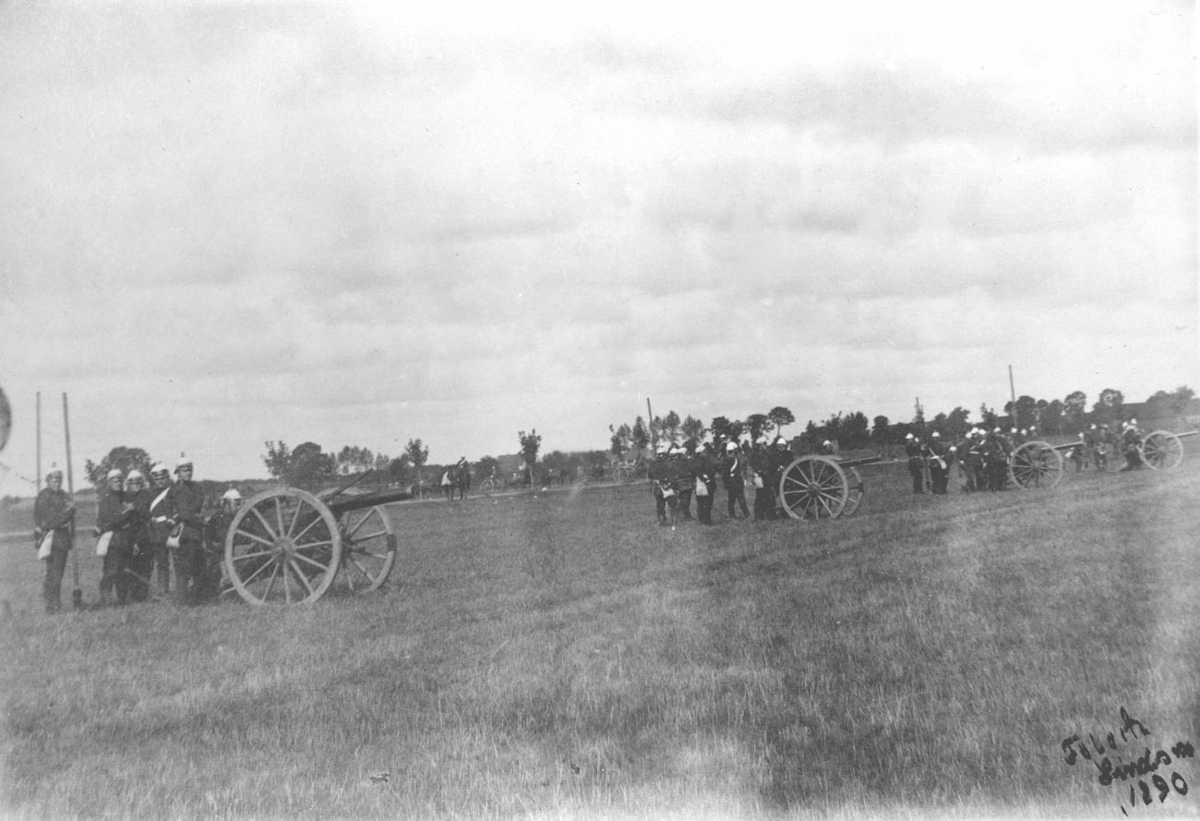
{"x": 187, "y": 506}
{"x": 916, "y": 462}
{"x": 116, "y": 518}
{"x": 939, "y": 468}
{"x": 995, "y": 460}
{"x": 732, "y": 470}
{"x": 141, "y": 559}
{"x": 1104, "y": 443}
{"x": 760, "y": 464}
{"x": 1131, "y": 442}
{"x": 780, "y": 458}
{"x": 703, "y": 468}
{"x": 158, "y": 528}
{"x": 53, "y": 518}
{"x": 681, "y": 456}
{"x": 1076, "y": 454}
{"x": 660, "y": 474}
{"x": 216, "y": 528}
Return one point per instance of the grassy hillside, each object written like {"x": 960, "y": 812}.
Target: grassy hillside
{"x": 559, "y": 655}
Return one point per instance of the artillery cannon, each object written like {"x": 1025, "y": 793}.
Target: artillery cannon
{"x": 1038, "y": 464}
{"x": 286, "y": 546}
{"x": 823, "y": 487}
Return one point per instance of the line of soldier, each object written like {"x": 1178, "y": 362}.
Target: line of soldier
{"x": 140, "y": 530}
{"x": 983, "y": 456}
{"x": 680, "y": 472}
{"x": 1098, "y": 441}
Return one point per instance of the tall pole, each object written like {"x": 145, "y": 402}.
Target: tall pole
{"x": 77, "y": 593}
{"x": 39, "y": 441}
{"x": 650, "y": 421}
{"x": 1012, "y": 392}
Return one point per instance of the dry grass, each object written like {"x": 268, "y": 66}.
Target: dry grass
{"x": 558, "y": 655}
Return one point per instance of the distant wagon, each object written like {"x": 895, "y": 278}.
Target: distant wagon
{"x": 287, "y": 546}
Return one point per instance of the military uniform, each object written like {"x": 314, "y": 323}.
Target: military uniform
{"x": 141, "y": 560}
{"x": 703, "y": 469}
{"x": 116, "y": 516}
{"x": 187, "y": 504}
{"x": 1131, "y": 441}
{"x": 939, "y": 468}
{"x": 732, "y": 476}
{"x": 915, "y": 452}
{"x": 53, "y": 517}
{"x": 158, "y": 527}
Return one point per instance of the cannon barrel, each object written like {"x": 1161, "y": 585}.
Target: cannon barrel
{"x": 379, "y": 497}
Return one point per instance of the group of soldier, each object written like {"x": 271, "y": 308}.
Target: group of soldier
{"x": 983, "y": 456}
{"x": 141, "y": 530}
{"x": 694, "y": 469}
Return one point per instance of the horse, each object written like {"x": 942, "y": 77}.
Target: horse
{"x": 457, "y": 478}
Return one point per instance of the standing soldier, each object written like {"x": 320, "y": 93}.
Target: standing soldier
{"x": 660, "y": 474}
{"x": 53, "y": 518}
{"x": 187, "y": 506}
{"x": 703, "y": 468}
{"x": 760, "y": 464}
{"x": 995, "y": 460}
{"x": 916, "y": 462}
{"x": 216, "y": 530}
{"x": 781, "y": 457}
{"x": 683, "y": 476}
{"x": 1103, "y": 445}
{"x": 1131, "y": 441}
{"x": 939, "y": 468}
{"x": 141, "y": 559}
{"x": 732, "y": 476}
{"x": 158, "y": 528}
{"x": 115, "y": 517}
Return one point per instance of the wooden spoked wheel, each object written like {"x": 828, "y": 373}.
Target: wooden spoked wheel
{"x": 814, "y": 487}
{"x": 368, "y": 548}
{"x": 1162, "y": 450}
{"x": 283, "y": 547}
{"x": 857, "y": 491}
{"x": 1035, "y": 465}
{"x": 624, "y": 474}
{"x": 488, "y": 486}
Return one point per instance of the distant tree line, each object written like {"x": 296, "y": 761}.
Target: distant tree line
{"x": 853, "y": 430}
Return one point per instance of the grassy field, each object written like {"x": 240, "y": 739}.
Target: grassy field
{"x": 550, "y": 655}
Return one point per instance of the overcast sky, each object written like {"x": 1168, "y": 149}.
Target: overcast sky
{"x": 224, "y": 223}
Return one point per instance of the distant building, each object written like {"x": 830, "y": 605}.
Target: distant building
{"x": 1164, "y": 415}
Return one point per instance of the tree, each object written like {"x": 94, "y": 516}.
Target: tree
{"x": 879, "y": 430}
{"x": 639, "y": 437}
{"x": 957, "y": 423}
{"x": 277, "y": 459}
{"x": 692, "y": 428}
{"x": 1109, "y": 408}
{"x": 988, "y": 417}
{"x": 309, "y": 467}
{"x": 1074, "y": 408}
{"x": 781, "y": 417}
{"x": 354, "y": 459}
{"x": 1023, "y": 412}
{"x": 620, "y": 440}
{"x": 397, "y": 469}
{"x": 418, "y": 454}
{"x": 1050, "y": 416}
{"x": 722, "y": 428}
{"x": 530, "y": 442}
{"x": 486, "y": 466}
{"x": 759, "y": 424}
{"x": 918, "y": 415}
{"x": 122, "y": 458}
{"x": 855, "y": 431}
{"x": 670, "y": 427}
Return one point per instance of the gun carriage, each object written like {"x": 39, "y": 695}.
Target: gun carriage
{"x": 287, "y": 546}
{"x": 1039, "y": 464}
{"x": 823, "y": 487}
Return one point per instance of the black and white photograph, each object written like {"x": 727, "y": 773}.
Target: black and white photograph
{"x": 613, "y": 411}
